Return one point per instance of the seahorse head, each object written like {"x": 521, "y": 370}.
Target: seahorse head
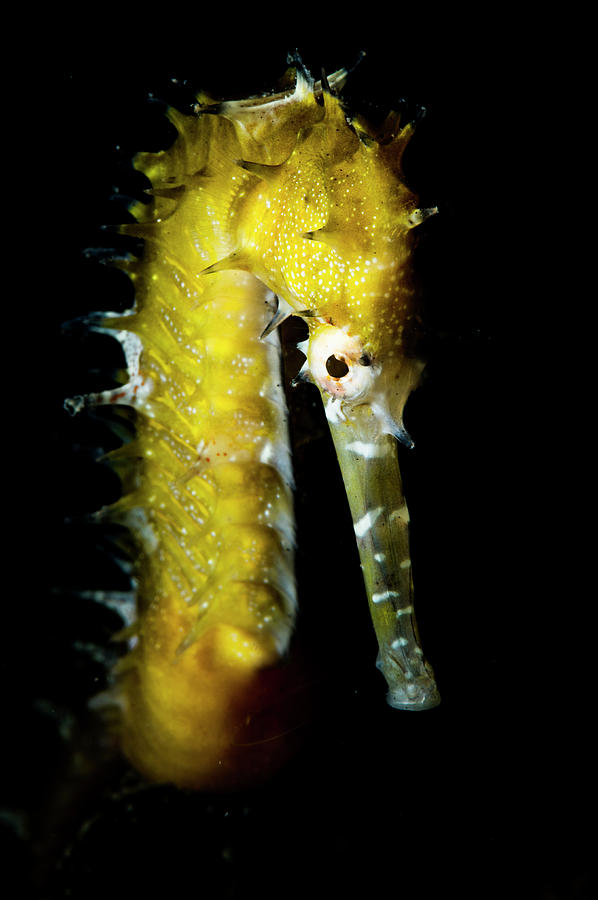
{"x": 326, "y": 221}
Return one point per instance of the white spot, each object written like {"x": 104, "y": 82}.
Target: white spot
{"x": 406, "y": 611}
{"x": 400, "y": 642}
{"x": 132, "y": 347}
{"x": 366, "y": 522}
{"x": 385, "y": 595}
{"x": 406, "y": 564}
{"x": 369, "y": 450}
{"x": 379, "y": 557}
{"x": 136, "y": 519}
{"x": 334, "y": 411}
{"x": 267, "y": 453}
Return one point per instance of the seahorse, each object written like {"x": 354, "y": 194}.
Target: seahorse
{"x": 263, "y": 208}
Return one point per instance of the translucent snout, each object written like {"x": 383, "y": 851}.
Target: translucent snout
{"x": 372, "y": 480}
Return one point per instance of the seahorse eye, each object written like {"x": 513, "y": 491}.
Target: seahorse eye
{"x": 332, "y": 359}
{"x": 336, "y": 366}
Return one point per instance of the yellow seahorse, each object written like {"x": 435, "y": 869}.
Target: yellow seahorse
{"x": 262, "y": 208}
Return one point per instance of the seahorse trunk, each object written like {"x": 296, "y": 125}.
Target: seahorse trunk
{"x": 372, "y": 479}
{"x": 199, "y": 695}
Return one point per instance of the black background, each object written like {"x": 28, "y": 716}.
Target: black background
{"x": 483, "y": 796}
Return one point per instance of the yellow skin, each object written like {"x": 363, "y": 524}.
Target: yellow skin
{"x": 283, "y": 196}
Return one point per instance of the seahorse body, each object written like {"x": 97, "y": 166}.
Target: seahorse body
{"x": 274, "y": 197}
{"x": 213, "y": 510}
